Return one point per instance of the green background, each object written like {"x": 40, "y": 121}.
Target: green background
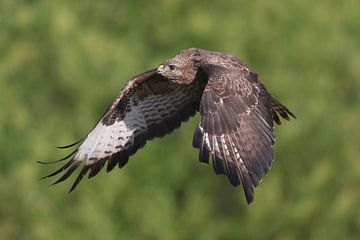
{"x": 62, "y": 62}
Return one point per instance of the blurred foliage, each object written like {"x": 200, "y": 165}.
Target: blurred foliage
{"x": 62, "y": 62}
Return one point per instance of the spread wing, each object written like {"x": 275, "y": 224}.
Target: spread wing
{"x": 149, "y": 106}
{"x": 236, "y": 126}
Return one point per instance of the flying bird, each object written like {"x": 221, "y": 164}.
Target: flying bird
{"x": 236, "y": 129}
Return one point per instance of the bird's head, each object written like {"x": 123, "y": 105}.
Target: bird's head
{"x": 172, "y": 70}
{"x": 181, "y": 69}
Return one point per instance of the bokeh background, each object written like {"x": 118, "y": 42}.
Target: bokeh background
{"x": 62, "y": 62}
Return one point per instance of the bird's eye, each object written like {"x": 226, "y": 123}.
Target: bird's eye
{"x": 172, "y": 67}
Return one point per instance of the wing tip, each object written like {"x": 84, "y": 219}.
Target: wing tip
{"x": 68, "y": 173}
{"x": 59, "y": 160}
{"x": 80, "y": 176}
{"x": 69, "y": 145}
{"x": 248, "y": 187}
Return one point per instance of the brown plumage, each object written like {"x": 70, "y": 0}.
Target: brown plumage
{"x": 235, "y": 130}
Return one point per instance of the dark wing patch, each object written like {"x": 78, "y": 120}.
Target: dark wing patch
{"x": 149, "y": 106}
{"x": 236, "y": 127}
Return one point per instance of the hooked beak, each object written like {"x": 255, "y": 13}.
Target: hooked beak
{"x": 160, "y": 69}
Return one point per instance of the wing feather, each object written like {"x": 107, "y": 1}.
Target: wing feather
{"x": 237, "y": 114}
{"x": 149, "y": 106}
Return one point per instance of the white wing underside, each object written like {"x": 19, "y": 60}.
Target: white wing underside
{"x": 105, "y": 140}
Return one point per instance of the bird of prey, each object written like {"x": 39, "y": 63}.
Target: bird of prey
{"x": 236, "y": 130}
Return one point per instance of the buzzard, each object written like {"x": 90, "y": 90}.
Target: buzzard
{"x": 236, "y": 130}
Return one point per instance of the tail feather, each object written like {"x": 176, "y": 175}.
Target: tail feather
{"x": 278, "y": 108}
